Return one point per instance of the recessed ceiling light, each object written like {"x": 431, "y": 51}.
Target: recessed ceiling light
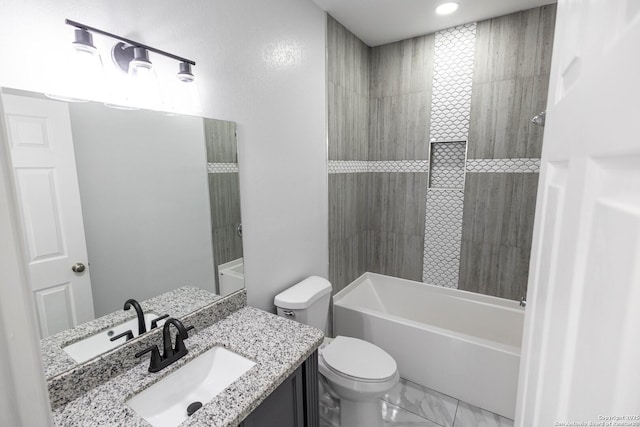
{"x": 447, "y": 8}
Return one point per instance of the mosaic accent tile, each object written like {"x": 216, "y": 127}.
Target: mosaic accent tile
{"x": 222, "y": 167}
{"x": 348, "y": 166}
{"x": 452, "y": 82}
{"x": 442, "y": 237}
{"x": 358, "y": 166}
{"x": 447, "y": 164}
{"x": 399, "y": 166}
{"x": 504, "y": 165}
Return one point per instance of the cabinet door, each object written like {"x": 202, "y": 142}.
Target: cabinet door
{"x": 283, "y": 408}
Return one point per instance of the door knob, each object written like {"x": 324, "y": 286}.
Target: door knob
{"x": 78, "y": 267}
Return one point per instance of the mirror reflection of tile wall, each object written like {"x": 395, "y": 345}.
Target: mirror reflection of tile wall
{"x": 224, "y": 189}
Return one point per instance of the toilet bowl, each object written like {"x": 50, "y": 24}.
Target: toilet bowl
{"x": 357, "y": 372}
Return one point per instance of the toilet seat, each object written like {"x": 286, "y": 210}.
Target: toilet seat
{"x": 358, "y": 360}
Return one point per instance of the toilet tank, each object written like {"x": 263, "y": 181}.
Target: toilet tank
{"x": 307, "y": 302}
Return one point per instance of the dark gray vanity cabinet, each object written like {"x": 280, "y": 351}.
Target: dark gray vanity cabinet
{"x": 294, "y": 403}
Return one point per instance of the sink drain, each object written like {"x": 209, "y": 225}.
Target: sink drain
{"x": 193, "y": 408}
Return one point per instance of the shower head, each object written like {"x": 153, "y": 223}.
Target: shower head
{"x": 539, "y": 118}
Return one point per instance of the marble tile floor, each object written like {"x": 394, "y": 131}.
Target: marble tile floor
{"x": 410, "y": 404}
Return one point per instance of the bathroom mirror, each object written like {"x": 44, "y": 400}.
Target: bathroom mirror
{"x": 156, "y": 205}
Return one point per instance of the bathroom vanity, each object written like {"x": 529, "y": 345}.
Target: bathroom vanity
{"x": 280, "y": 389}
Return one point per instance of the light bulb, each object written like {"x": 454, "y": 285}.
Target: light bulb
{"x": 81, "y": 75}
{"x": 447, "y": 8}
{"x": 143, "y": 84}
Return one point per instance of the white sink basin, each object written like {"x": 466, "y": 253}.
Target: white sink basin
{"x": 165, "y": 403}
{"x": 99, "y": 343}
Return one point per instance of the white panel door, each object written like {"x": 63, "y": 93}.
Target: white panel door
{"x": 581, "y": 348}
{"x": 44, "y": 169}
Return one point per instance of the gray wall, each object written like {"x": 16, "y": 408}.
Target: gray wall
{"x": 377, "y": 219}
{"x": 510, "y": 85}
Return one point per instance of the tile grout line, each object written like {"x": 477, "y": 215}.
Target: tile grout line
{"x": 455, "y": 414}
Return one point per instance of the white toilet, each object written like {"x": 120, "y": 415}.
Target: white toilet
{"x": 357, "y": 372}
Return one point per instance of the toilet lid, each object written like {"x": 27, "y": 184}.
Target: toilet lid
{"x": 359, "y": 359}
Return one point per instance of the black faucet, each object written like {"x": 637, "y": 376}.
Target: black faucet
{"x": 171, "y": 354}
{"x": 142, "y": 327}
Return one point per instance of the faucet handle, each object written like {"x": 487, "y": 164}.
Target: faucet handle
{"x": 154, "y": 322}
{"x": 128, "y": 334}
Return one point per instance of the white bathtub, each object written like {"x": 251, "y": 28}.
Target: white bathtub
{"x": 462, "y": 344}
{"x": 231, "y": 276}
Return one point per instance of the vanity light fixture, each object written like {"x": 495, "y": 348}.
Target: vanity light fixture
{"x": 185, "y": 74}
{"x": 447, "y": 8}
{"x": 132, "y": 58}
{"x": 82, "y": 76}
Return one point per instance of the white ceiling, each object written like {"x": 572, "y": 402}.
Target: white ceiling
{"x": 378, "y": 22}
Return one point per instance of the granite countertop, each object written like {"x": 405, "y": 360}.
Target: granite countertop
{"x": 277, "y": 345}
{"x": 176, "y": 303}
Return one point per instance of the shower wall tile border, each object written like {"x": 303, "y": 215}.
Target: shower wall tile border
{"x": 362, "y": 166}
{"x": 399, "y": 166}
{"x": 348, "y": 166}
{"x": 520, "y": 165}
{"x": 222, "y": 168}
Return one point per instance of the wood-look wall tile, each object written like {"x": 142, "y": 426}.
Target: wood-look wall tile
{"x": 510, "y": 83}
{"x": 348, "y": 94}
{"x": 227, "y": 245}
{"x": 514, "y": 45}
{"x": 399, "y": 127}
{"x": 224, "y": 199}
{"x": 527, "y": 212}
{"x": 347, "y": 59}
{"x": 348, "y": 210}
{"x": 501, "y": 113}
{"x": 497, "y": 229}
{"x": 398, "y": 255}
{"x": 544, "y": 41}
{"x": 397, "y": 202}
{"x": 220, "y": 138}
{"x": 348, "y": 259}
{"x": 348, "y": 124}
{"x": 402, "y": 67}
